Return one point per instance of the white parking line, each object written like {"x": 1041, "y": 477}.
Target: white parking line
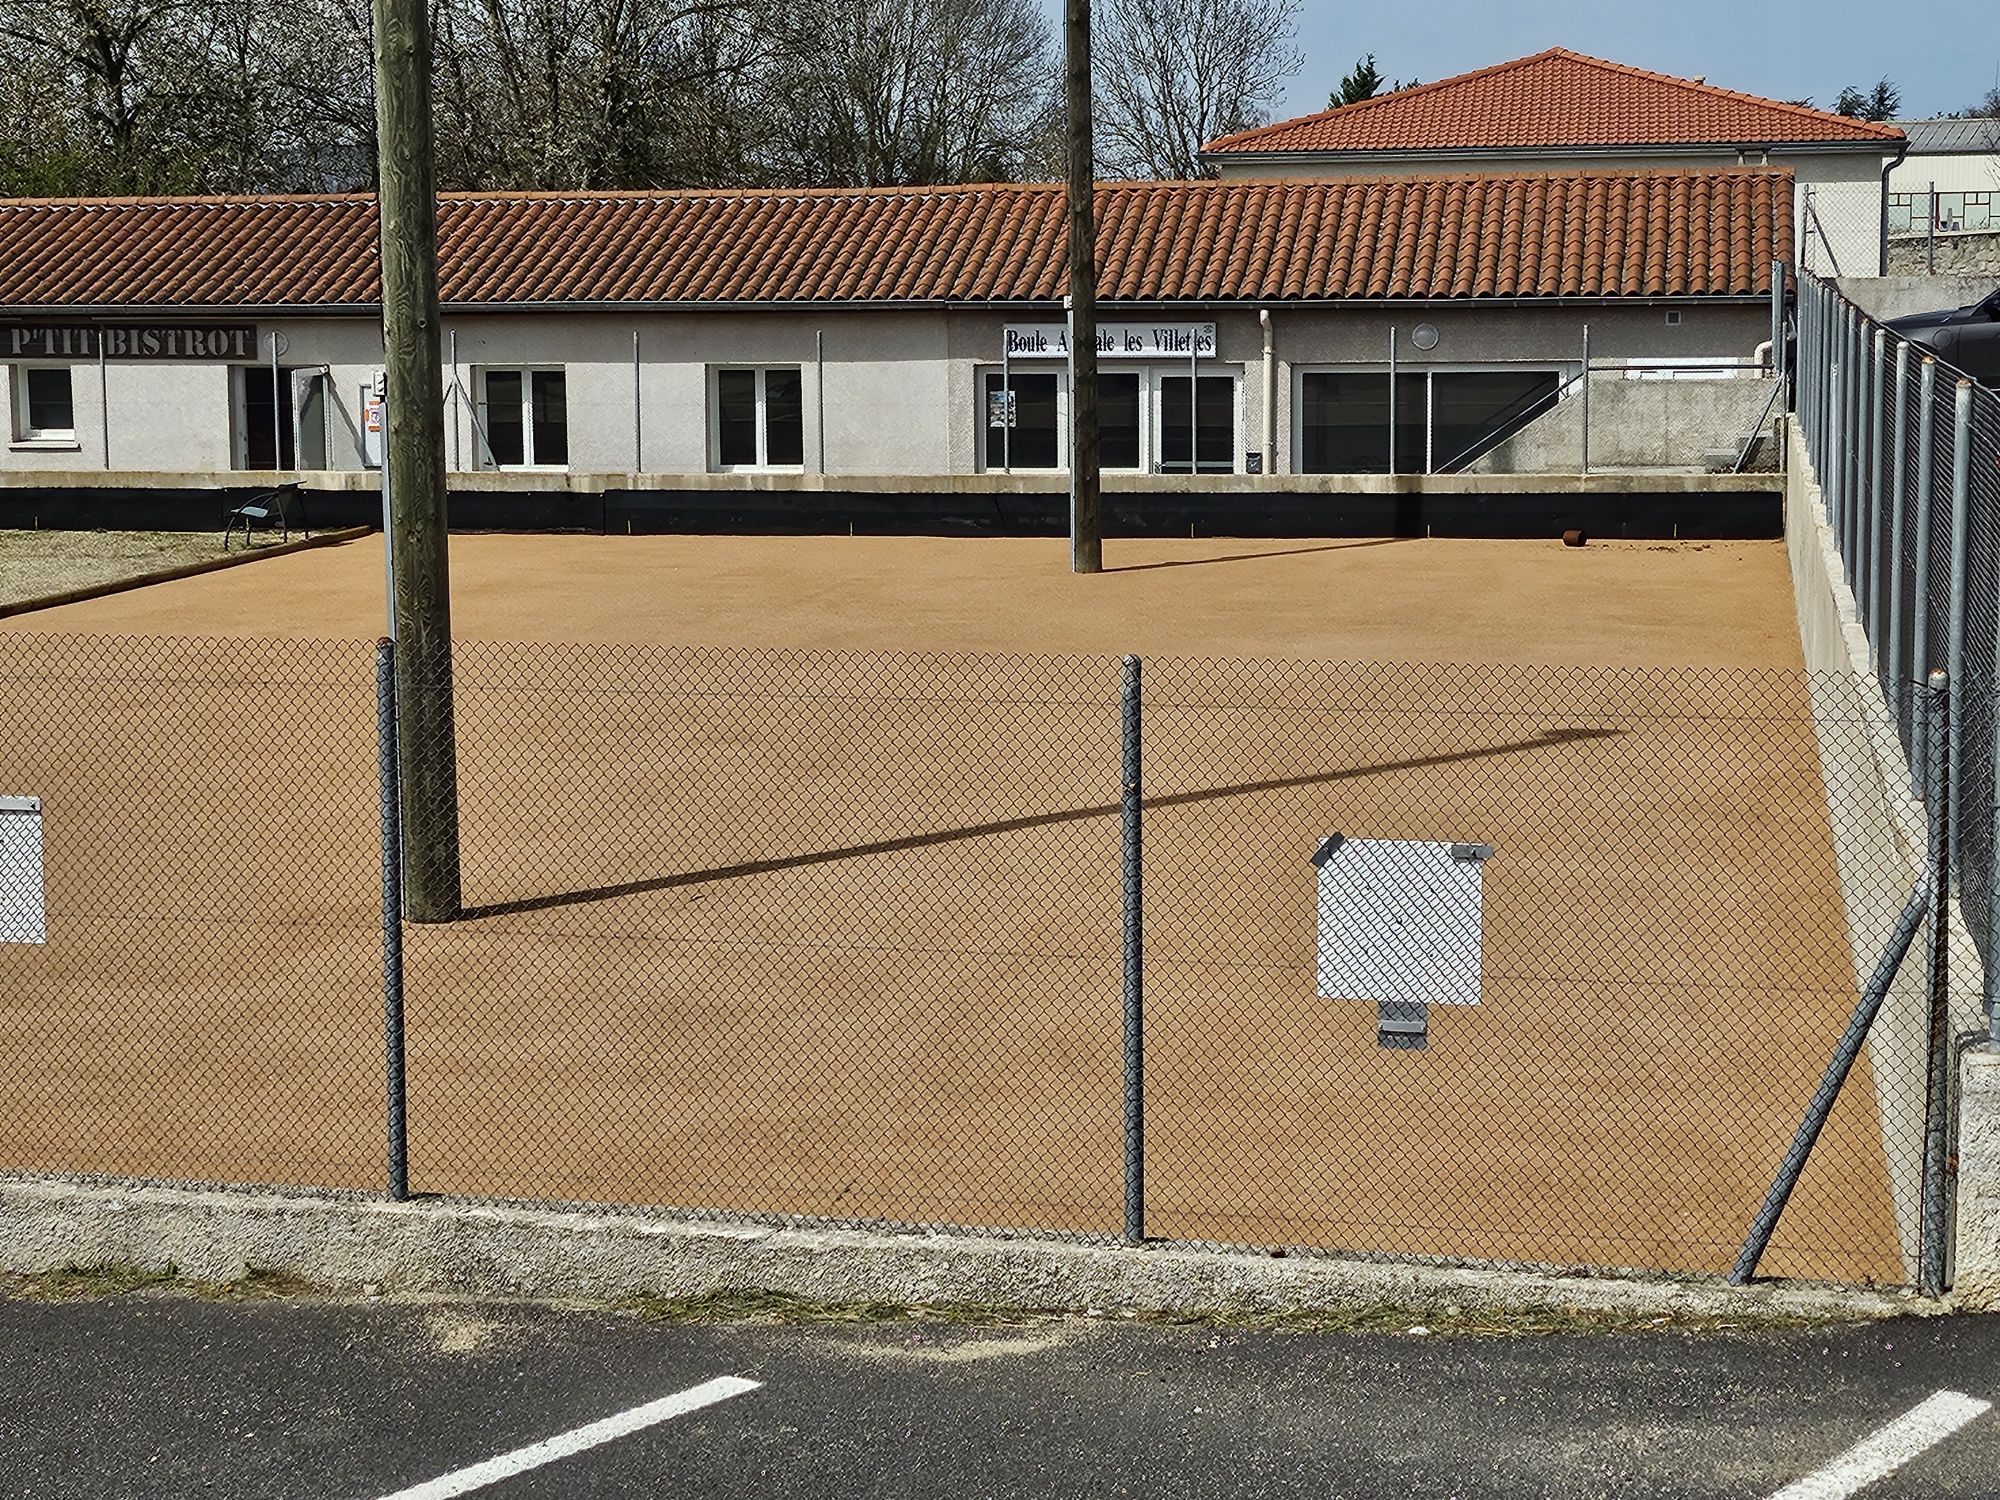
{"x": 576, "y": 1440}
{"x": 1886, "y": 1450}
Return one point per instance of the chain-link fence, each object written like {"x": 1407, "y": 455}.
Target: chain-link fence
{"x": 1907, "y": 452}
{"x": 1497, "y": 963}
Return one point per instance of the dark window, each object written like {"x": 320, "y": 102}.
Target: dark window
{"x": 736, "y": 418}
{"x": 506, "y": 434}
{"x": 784, "y": 418}
{"x": 1475, "y": 410}
{"x": 267, "y": 417}
{"x": 760, "y": 418}
{"x": 1213, "y": 423}
{"x": 48, "y": 410}
{"x": 1118, "y": 422}
{"x": 549, "y": 408}
{"x": 1033, "y": 440}
{"x": 1344, "y": 417}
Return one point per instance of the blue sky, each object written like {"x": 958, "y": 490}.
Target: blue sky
{"x": 1942, "y": 53}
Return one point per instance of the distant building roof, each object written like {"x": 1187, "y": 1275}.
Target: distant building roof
{"x": 1552, "y": 100}
{"x": 1576, "y": 234}
{"x": 1952, "y": 137}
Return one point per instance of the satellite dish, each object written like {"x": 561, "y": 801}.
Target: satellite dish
{"x": 1425, "y": 336}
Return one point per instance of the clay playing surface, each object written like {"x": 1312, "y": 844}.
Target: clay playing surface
{"x": 833, "y": 928}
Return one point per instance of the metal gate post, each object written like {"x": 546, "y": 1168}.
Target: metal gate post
{"x": 1939, "y": 690}
{"x": 1898, "y": 498}
{"x": 1920, "y": 626}
{"x": 1132, "y": 806}
{"x": 392, "y": 916}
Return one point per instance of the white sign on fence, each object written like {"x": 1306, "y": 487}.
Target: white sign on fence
{"x": 22, "y": 915}
{"x": 1115, "y": 341}
{"x": 1400, "y": 921}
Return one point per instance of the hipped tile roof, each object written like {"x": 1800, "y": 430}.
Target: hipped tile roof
{"x": 1585, "y": 234}
{"x": 1553, "y": 100}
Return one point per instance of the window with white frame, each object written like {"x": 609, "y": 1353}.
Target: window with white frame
{"x": 1141, "y": 417}
{"x": 1444, "y": 419}
{"x": 757, "y": 417}
{"x": 523, "y": 418}
{"x": 44, "y": 408}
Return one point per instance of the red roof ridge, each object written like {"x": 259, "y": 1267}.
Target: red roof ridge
{"x": 1349, "y": 111}
{"x": 1886, "y": 132}
{"x": 1237, "y": 140}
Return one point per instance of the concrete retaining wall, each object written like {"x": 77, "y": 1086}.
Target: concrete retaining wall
{"x": 1671, "y": 425}
{"x": 1885, "y": 297}
{"x": 1961, "y": 253}
{"x": 1611, "y": 505}
{"x": 1879, "y": 829}
{"x": 1978, "y": 1284}
{"x": 345, "y": 1244}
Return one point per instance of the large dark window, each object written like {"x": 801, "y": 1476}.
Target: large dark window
{"x": 524, "y": 418}
{"x": 1211, "y": 425}
{"x": 1344, "y": 423}
{"x": 1118, "y": 422}
{"x": 760, "y": 419}
{"x": 1476, "y": 410}
{"x": 1445, "y": 419}
{"x": 1021, "y": 433}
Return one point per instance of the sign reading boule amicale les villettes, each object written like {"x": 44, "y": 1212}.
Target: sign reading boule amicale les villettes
{"x": 129, "y": 340}
{"x": 1115, "y": 341}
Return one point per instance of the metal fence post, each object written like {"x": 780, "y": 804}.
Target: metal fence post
{"x": 1851, "y": 489}
{"x": 1899, "y": 428}
{"x": 1834, "y": 472}
{"x": 390, "y": 798}
{"x": 1583, "y": 459}
{"x": 1920, "y": 573}
{"x": 1778, "y": 362}
{"x": 1873, "y": 546}
{"x": 1132, "y": 807}
{"x": 1939, "y": 691}
{"x": 1961, "y": 492}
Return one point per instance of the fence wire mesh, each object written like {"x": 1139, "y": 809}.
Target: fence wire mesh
{"x": 1936, "y": 603}
{"x": 842, "y": 937}
{"x": 205, "y": 999}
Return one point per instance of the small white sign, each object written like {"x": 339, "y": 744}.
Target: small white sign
{"x": 1400, "y": 921}
{"x": 1115, "y": 341}
{"x": 23, "y": 918}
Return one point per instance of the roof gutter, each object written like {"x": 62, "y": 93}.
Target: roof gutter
{"x": 370, "y": 310}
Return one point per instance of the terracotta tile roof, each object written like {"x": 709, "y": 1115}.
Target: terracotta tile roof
{"x": 1555, "y": 99}
{"x": 1582, "y": 234}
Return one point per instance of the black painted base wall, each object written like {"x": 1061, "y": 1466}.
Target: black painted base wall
{"x": 1639, "y": 515}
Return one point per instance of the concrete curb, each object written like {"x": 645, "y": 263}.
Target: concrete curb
{"x": 182, "y": 570}
{"x": 440, "y": 1246}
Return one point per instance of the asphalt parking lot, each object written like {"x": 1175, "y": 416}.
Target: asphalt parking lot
{"x": 169, "y": 1395}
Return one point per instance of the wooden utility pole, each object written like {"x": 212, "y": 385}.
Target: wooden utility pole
{"x": 413, "y": 457}
{"x": 1086, "y": 532}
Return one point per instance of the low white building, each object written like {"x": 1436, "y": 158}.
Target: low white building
{"x": 1944, "y": 199}
{"x": 794, "y": 341}
{"x": 1558, "y": 111}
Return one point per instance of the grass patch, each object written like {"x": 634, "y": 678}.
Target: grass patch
{"x": 1445, "y": 1321}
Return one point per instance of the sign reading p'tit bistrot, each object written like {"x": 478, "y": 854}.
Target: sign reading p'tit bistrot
{"x": 1115, "y": 341}
{"x": 235, "y": 341}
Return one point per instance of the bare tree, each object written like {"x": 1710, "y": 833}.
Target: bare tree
{"x": 1175, "y": 74}
{"x": 567, "y": 93}
{"x": 890, "y": 92}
